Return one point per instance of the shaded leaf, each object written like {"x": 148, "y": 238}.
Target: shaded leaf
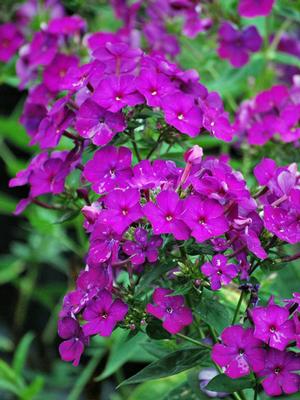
{"x": 156, "y": 331}
{"x": 222, "y": 383}
{"x": 213, "y": 312}
{"x": 169, "y": 365}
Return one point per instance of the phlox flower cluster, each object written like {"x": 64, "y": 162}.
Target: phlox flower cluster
{"x": 263, "y": 348}
{"x": 141, "y": 211}
{"x": 271, "y": 114}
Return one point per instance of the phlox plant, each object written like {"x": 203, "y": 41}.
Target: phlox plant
{"x": 169, "y": 239}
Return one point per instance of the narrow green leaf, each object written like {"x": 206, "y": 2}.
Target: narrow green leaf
{"x": 121, "y": 352}
{"x": 21, "y": 353}
{"x": 30, "y": 392}
{"x": 222, "y": 383}
{"x": 85, "y": 375}
{"x": 169, "y": 365}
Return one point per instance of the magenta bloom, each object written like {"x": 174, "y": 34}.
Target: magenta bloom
{"x": 142, "y": 248}
{"x": 154, "y": 86}
{"x": 117, "y": 57}
{"x": 171, "y": 310}
{"x": 284, "y": 223}
{"x": 205, "y": 218}
{"x": 55, "y": 73}
{"x": 43, "y": 49}
{"x": 103, "y": 314}
{"x": 69, "y": 25}
{"x": 183, "y": 114}
{"x": 236, "y": 45}
{"x": 10, "y": 41}
{"x": 110, "y": 168}
{"x": 95, "y": 123}
{"x": 166, "y": 215}
{"x": 273, "y": 326}
{"x": 239, "y": 353}
{"x": 255, "y": 8}
{"x": 73, "y": 345}
{"x": 104, "y": 244}
{"x": 114, "y": 93}
{"x": 279, "y": 373}
{"x": 51, "y": 128}
{"x": 264, "y": 171}
{"x": 122, "y": 209}
{"x": 219, "y": 272}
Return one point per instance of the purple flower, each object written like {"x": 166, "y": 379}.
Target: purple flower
{"x": 103, "y": 314}
{"x": 205, "y": 218}
{"x": 283, "y": 223}
{"x": 264, "y": 171}
{"x": 166, "y": 215}
{"x": 219, "y": 272}
{"x": 171, "y": 310}
{"x": 43, "y": 49}
{"x": 183, "y": 114}
{"x": 32, "y": 116}
{"x": 236, "y": 45}
{"x": 122, "y": 209}
{"x": 55, "y": 73}
{"x": 154, "y": 86}
{"x": 109, "y": 168}
{"x": 118, "y": 57}
{"x": 255, "y": 8}
{"x": 69, "y": 25}
{"x": 147, "y": 175}
{"x": 95, "y": 123}
{"x": 104, "y": 244}
{"x": 51, "y": 128}
{"x": 71, "y": 348}
{"x": 280, "y": 373}
{"x": 272, "y": 325}
{"x": 114, "y": 93}
{"x": 142, "y": 248}
{"x": 239, "y": 353}
{"x": 10, "y": 41}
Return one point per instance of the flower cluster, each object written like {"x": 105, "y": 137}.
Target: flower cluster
{"x": 93, "y": 99}
{"x": 150, "y": 19}
{"x": 263, "y": 348}
{"x": 236, "y": 45}
{"x": 281, "y": 199}
{"x": 273, "y": 112}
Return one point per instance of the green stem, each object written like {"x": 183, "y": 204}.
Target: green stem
{"x": 238, "y": 308}
{"x": 255, "y": 396}
{"x": 194, "y": 341}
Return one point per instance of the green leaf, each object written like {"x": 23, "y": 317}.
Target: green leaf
{"x": 284, "y": 58}
{"x": 10, "y": 268}
{"x": 181, "y": 392}
{"x": 86, "y": 375}
{"x": 222, "y": 383}
{"x": 7, "y": 386}
{"x": 21, "y": 353}
{"x": 30, "y": 392}
{"x": 7, "y": 374}
{"x": 156, "y": 389}
{"x": 213, "y": 312}
{"x": 121, "y": 352}
{"x": 156, "y": 331}
{"x": 154, "y": 272}
{"x": 169, "y": 365}
{"x": 67, "y": 216}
